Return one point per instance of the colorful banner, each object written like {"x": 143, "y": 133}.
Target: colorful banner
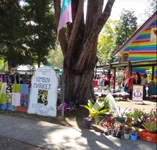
{"x": 66, "y": 14}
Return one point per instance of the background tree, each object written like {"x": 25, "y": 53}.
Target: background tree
{"x": 55, "y": 57}
{"x": 79, "y": 47}
{"x": 106, "y": 41}
{"x": 125, "y": 27}
{"x": 41, "y": 33}
{"x": 151, "y": 8}
{"x": 12, "y": 33}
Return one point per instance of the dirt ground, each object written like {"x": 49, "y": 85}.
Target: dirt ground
{"x": 72, "y": 119}
{"x": 146, "y": 106}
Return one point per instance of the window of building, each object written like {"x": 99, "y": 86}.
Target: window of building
{"x": 125, "y": 57}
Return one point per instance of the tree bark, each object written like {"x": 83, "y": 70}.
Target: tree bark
{"x": 81, "y": 48}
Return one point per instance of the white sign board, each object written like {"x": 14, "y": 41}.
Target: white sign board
{"x": 137, "y": 93}
{"x": 43, "y": 94}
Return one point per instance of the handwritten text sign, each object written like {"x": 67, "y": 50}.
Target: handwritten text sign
{"x": 43, "y": 95}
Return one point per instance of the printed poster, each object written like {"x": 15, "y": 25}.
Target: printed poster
{"x": 137, "y": 93}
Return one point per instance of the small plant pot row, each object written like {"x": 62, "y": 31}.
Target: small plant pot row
{"x": 121, "y": 135}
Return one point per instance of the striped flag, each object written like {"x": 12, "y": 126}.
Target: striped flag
{"x": 66, "y": 14}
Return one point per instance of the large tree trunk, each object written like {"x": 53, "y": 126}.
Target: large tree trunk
{"x": 79, "y": 46}
{"x": 79, "y": 86}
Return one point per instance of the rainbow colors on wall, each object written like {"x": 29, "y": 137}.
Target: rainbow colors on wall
{"x": 142, "y": 48}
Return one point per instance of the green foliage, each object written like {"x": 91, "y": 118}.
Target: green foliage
{"x": 56, "y": 57}
{"x": 137, "y": 115}
{"x": 93, "y": 114}
{"x": 150, "y": 126}
{"x": 12, "y": 34}
{"x": 126, "y": 26}
{"x": 41, "y": 33}
{"x": 27, "y": 33}
{"x": 129, "y": 114}
{"x": 106, "y": 41}
{"x": 127, "y": 128}
{"x": 114, "y": 34}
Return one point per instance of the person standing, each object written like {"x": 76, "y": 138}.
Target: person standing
{"x": 25, "y": 79}
{"x": 138, "y": 78}
{"x": 144, "y": 83}
{"x": 16, "y": 77}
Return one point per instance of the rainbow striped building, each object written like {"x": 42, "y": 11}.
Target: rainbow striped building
{"x": 141, "y": 46}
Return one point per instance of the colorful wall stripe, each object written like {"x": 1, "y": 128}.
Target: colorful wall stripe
{"x": 143, "y": 48}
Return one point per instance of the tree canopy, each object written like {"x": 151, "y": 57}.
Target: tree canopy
{"x": 27, "y": 32}
{"x": 106, "y": 41}
{"x": 40, "y": 22}
{"x": 125, "y": 27}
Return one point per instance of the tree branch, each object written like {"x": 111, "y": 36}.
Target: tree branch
{"x": 94, "y": 10}
{"x": 94, "y": 35}
{"x": 75, "y": 29}
{"x": 61, "y": 35}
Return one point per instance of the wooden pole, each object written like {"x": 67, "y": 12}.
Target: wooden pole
{"x": 153, "y": 72}
{"x": 114, "y": 85}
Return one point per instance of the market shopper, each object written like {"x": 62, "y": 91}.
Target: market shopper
{"x": 138, "y": 78}
{"x": 16, "y": 77}
{"x": 144, "y": 83}
{"x": 25, "y": 79}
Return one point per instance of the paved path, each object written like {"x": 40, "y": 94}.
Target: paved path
{"x": 56, "y": 137}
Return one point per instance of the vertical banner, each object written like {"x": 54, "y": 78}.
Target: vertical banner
{"x": 43, "y": 94}
{"x": 137, "y": 93}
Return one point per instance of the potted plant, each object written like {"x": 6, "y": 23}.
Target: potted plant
{"x": 137, "y": 118}
{"x": 134, "y": 134}
{"x": 128, "y": 120}
{"x": 108, "y": 124}
{"x": 120, "y": 117}
{"x": 150, "y": 132}
{"x": 127, "y": 131}
{"x": 96, "y": 110}
{"x": 118, "y": 129}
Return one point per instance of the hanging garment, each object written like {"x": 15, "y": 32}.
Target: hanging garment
{"x": 16, "y": 99}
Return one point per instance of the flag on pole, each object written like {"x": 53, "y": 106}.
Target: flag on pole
{"x": 66, "y": 14}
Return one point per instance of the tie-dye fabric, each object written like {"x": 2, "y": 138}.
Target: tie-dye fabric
{"x": 24, "y": 100}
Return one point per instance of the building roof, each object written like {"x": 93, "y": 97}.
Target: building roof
{"x": 136, "y": 33}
